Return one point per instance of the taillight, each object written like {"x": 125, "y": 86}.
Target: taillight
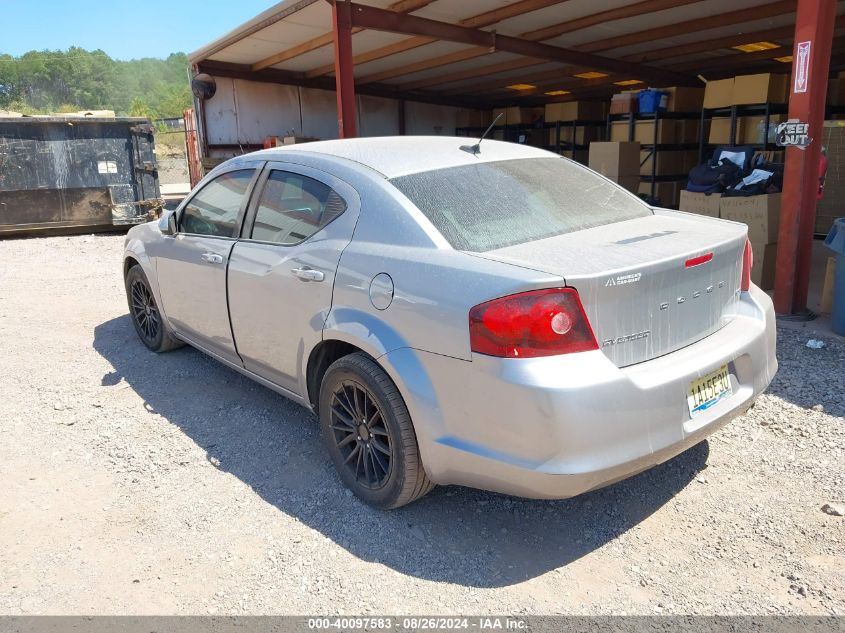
{"x": 698, "y": 261}
{"x": 530, "y": 324}
{"x": 747, "y": 263}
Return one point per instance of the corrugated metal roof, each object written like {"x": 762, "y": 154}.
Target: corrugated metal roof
{"x": 294, "y": 23}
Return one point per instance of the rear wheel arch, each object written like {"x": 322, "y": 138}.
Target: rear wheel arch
{"x": 128, "y": 262}
{"x": 320, "y": 359}
{"x": 384, "y": 429}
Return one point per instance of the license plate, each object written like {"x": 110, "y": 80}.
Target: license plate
{"x": 706, "y": 391}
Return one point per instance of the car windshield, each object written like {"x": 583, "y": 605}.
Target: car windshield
{"x": 487, "y": 206}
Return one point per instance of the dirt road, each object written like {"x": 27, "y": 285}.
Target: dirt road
{"x": 145, "y": 484}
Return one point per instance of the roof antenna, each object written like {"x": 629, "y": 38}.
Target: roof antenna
{"x": 475, "y": 150}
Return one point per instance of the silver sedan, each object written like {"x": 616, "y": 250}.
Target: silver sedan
{"x": 493, "y": 316}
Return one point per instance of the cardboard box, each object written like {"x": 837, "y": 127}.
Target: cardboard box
{"x": 762, "y": 88}
{"x": 474, "y": 118}
{"x": 720, "y": 130}
{"x": 631, "y": 183}
{"x": 575, "y": 111}
{"x": 615, "y": 160}
{"x": 518, "y": 116}
{"x": 579, "y": 155}
{"x": 752, "y": 129}
{"x": 523, "y": 116}
{"x": 619, "y": 132}
{"x": 827, "y": 286}
{"x": 700, "y": 203}
{"x": 669, "y": 162}
{"x": 719, "y": 93}
{"x": 667, "y": 131}
{"x": 688, "y": 131}
{"x": 667, "y": 192}
{"x": 763, "y": 268}
{"x": 579, "y": 134}
{"x": 623, "y": 103}
{"x": 684, "y": 99}
{"x": 760, "y": 213}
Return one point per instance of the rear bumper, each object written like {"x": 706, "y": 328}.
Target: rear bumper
{"x": 559, "y": 426}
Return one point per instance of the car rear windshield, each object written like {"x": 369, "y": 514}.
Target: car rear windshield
{"x": 490, "y": 205}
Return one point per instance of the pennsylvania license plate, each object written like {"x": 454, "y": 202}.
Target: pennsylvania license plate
{"x": 708, "y": 390}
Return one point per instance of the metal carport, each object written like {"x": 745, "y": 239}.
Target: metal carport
{"x": 490, "y": 53}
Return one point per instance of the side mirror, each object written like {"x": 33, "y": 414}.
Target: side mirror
{"x": 167, "y": 224}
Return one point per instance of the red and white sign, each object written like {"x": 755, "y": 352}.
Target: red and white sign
{"x": 802, "y": 67}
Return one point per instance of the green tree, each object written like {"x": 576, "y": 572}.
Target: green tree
{"x": 46, "y": 81}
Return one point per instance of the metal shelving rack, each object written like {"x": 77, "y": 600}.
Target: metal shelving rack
{"x": 734, "y": 112}
{"x": 561, "y": 146}
{"x": 654, "y": 148}
{"x": 512, "y": 132}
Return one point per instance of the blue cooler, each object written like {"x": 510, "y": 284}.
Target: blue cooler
{"x": 653, "y": 100}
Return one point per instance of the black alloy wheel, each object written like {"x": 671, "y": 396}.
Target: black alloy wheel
{"x": 369, "y": 435}
{"x": 144, "y": 310}
{"x": 149, "y": 323}
{"x": 361, "y": 435}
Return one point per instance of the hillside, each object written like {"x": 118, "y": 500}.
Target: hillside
{"x": 77, "y": 79}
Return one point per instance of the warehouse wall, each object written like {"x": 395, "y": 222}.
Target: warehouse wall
{"x": 246, "y": 112}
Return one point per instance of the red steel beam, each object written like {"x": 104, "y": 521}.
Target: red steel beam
{"x": 814, "y": 24}
{"x": 382, "y": 20}
{"x": 347, "y": 118}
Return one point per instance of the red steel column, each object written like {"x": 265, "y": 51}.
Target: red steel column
{"x": 813, "y": 23}
{"x": 347, "y": 119}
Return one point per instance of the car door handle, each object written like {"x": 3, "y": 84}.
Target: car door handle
{"x": 308, "y": 274}
{"x": 212, "y": 258}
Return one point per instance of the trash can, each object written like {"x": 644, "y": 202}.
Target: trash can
{"x": 835, "y": 241}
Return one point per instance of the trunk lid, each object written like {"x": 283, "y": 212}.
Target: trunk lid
{"x": 641, "y": 298}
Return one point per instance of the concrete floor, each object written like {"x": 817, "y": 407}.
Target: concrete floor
{"x": 819, "y": 327}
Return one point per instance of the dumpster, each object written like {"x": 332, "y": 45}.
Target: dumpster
{"x": 835, "y": 241}
{"x": 76, "y": 173}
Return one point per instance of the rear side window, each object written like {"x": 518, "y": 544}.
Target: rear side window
{"x": 294, "y": 207}
{"x": 487, "y": 206}
{"x": 214, "y": 209}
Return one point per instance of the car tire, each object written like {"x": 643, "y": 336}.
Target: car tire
{"x": 145, "y": 315}
{"x": 369, "y": 434}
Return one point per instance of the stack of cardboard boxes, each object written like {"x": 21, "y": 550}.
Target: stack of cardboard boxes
{"x": 619, "y": 161}
{"x": 762, "y": 216}
{"x": 648, "y": 130}
{"x": 474, "y": 118}
{"x": 571, "y": 134}
{"x": 740, "y": 91}
{"x": 670, "y": 162}
{"x": 530, "y": 121}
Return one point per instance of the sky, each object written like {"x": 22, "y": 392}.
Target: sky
{"x": 123, "y": 29}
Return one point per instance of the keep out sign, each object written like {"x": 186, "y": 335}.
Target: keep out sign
{"x": 793, "y": 133}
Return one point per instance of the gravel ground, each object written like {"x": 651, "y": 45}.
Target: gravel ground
{"x": 163, "y": 484}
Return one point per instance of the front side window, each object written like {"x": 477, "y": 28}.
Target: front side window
{"x": 214, "y": 209}
{"x": 485, "y": 206}
{"x": 294, "y": 207}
